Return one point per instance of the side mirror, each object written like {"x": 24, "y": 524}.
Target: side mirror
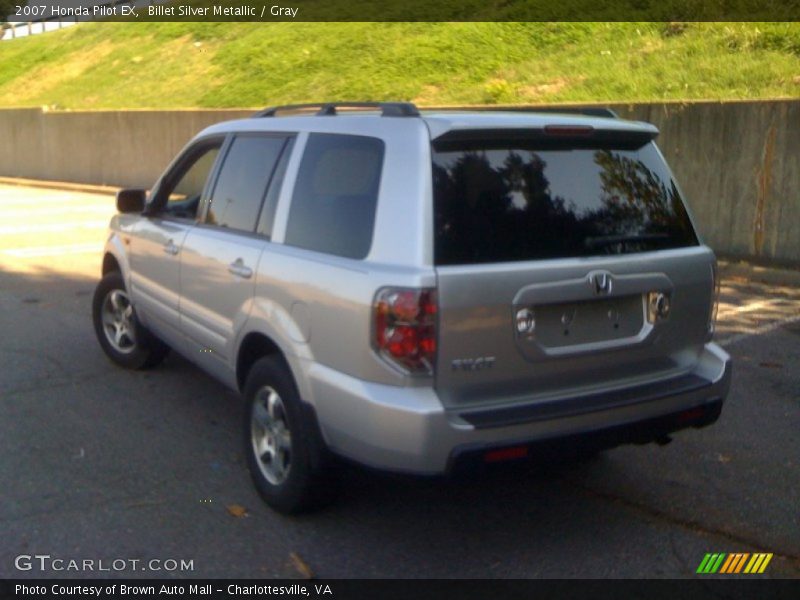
{"x": 131, "y": 201}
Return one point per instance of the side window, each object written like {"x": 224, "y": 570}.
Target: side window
{"x": 267, "y": 219}
{"x": 183, "y": 195}
{"x": 242, "y": 182}
{"x": 335, "y": 196}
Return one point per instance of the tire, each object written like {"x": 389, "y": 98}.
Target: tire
{"x": 124, "y": 340}
{"x": 287, "y": 459}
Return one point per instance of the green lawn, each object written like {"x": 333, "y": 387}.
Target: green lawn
{"x": 184, "y": 65}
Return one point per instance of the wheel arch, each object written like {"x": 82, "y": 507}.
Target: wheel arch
{"x": 254, "y": 346}
{"x": 115, "y": 258}
{"x": 110, "y": 264}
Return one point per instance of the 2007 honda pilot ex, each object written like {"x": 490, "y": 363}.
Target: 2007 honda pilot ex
{"x": 411, "y": 290}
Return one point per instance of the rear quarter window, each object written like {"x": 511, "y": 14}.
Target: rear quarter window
{"x": 335, "y": 196}
{"x": 510, "y": 201}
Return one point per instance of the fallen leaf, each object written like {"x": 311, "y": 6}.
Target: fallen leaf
{"x": 301, "y": 566}
{"x": 236, "y": 511}
{"x": 723, "y": 458}
{"x": 770, "y": 365}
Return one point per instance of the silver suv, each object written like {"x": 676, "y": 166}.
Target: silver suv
{"x": 420, "y": 291}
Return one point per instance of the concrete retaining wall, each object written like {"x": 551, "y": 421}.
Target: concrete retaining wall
{"x": 739, "y": 165}
{"x": 738, "y": 162}
{"x": 124, "y": 148}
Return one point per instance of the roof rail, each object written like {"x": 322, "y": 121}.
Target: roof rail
{"x": 329, "y": 109}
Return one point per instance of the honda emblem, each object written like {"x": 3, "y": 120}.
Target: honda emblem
{"x": 601, "y": 283}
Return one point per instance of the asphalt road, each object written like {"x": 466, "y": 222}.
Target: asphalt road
{"x": 100, "y": 463}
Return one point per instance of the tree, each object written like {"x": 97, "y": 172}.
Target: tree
{"x": 7, "y": 7}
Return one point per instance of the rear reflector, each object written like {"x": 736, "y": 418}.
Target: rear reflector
{"x": 502, "y": 454}
{"x": 693, "y": 414}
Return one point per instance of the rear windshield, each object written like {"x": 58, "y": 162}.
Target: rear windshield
{"x": 500, "y": 202}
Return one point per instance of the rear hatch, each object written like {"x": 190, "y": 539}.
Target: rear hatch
{"x": 566, "y": 262}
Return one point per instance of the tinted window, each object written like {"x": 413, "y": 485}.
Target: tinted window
{"x": 333, "y": 205}
{"x": 267, "y": 218}
{"x": 183, "y": 197}
{"x": 509, "y": 202}
{"x": 242, "y": 182}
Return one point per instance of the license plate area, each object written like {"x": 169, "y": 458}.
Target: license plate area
{"x": 572, "y": 317}
{"x": 584, "y": 326}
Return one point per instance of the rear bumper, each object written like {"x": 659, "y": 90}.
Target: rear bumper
{"x": 407, "y": 429}
{"x": 656, "y": 429}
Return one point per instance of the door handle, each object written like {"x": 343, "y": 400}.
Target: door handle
{"x": 171, "y": 248}
{"x": 238, "y": 268}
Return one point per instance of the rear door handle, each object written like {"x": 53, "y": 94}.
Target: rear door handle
{"x": 171, "y": 248}
{"x": 238, "y": 268}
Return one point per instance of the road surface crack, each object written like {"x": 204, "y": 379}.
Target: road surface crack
{"x": 689, "y": 524}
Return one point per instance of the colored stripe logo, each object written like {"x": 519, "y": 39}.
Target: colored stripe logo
{"x": 741, "y": 562}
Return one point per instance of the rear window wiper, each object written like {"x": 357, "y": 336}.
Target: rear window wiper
{"x": 610, "y": 240}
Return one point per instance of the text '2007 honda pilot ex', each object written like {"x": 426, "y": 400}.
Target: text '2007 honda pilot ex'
{"x": 414, "y": 290}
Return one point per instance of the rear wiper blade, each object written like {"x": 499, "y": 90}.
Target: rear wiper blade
{"x": 610, "y": 240}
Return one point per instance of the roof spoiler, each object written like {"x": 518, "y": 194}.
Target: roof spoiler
{"x": 571, "y": 137}
{"x": 588, "y": 111}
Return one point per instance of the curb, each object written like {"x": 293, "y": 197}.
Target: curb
{"x": 60, "y": 185}
{"x": 759, "y": 273}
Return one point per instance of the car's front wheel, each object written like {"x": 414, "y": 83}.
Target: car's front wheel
{"x": 285, "y": 453}
{"x": 124, "y": 340}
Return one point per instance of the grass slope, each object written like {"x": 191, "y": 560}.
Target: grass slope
{"x": 177, "y": 65}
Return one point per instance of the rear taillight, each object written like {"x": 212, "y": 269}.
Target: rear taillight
{"x": 712, "y": 313}
{"x": 404, "y": 327}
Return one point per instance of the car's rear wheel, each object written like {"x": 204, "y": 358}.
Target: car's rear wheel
{"x": 124, "y": 340}
{"x": 285, "y": 453}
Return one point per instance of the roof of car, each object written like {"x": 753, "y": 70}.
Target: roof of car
{"x": 438, "y": 122}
